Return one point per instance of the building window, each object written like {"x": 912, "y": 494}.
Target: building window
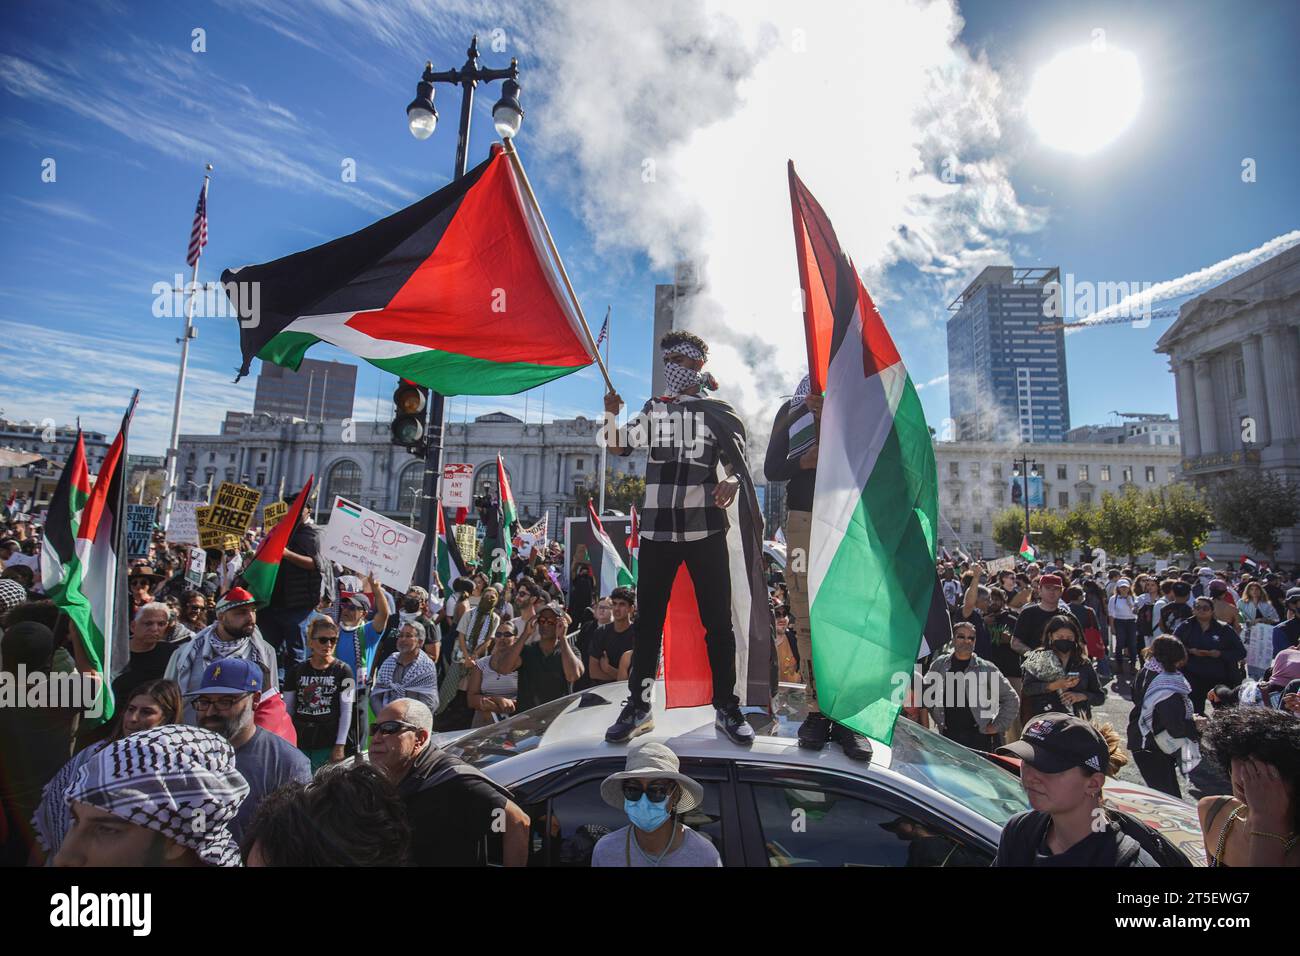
{"x": 230, "y": 474}
{"x": 580, "y": 464}
{"x": 262, "y": 458}
{"x": 1239, "y": 377}
{"x": 954, "y": 469}
{"x": 1105, "y": 472}
{"x": 1085, "y": 497}
{"x": 1151, "y": 474}
{"x": 344, "y": 479}
{"x": 977, "y": 527}
{"x": 212, "y": 456}
{"x": 1083, "y": 472}
{"x": 997, "y": 472}
{"x": 977, "y": 499}
{"x": 1173, "y": 473}
{"x": 410, "y": 485}
{"x": 1063, "y": 499}
{"x": 956, "y": 498}
{"x": 974, "y": 469}
{"x": 261, "y": 478}
{"x": 956, "y": 525}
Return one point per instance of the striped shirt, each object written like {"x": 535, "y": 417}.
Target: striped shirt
{"x": 681, "y": 471}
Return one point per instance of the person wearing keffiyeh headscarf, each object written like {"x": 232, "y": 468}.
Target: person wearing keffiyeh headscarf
{"x": 408, "y": 673}
{"x": 177, "y": 781}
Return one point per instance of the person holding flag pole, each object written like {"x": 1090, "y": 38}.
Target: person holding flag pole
{"x": 198, "y": 239}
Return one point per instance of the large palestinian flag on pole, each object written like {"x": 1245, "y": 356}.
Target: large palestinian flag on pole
{"x": 509, "y": 519}
{"x": 457, "y": 292}
{"x": 613, "y": 572}
{"x": 262, "y": 571}
{"x": 871, "y": 571}
{"x": 83, "y": 559}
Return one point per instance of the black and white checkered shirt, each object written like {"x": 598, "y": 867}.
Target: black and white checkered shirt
{"x": 681, "y": 472}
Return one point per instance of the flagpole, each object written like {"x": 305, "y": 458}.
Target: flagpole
{"x": 609, "y": 332}
{"x": 559, "y": 263}
{"x": 173, "y": 449}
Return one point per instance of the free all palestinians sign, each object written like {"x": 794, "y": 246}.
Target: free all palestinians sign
{"x": 273, "y": 513}
{"x": 233, "y": 509}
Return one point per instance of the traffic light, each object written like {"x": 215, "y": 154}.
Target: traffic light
{"x": 409, "y": 403}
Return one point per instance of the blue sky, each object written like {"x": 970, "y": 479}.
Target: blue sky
{"x": 283, "y": 95}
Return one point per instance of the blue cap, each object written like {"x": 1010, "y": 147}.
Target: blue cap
{"x": 232, "y": 675}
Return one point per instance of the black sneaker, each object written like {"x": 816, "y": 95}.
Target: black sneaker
{"x": 854, "y": 745}
{"x": 732, "y": 723}
{"x": 815, "y": 731}
{"x": 631, "y": 721}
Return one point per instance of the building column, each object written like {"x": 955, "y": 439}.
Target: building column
{"x": 1280, "y": 390}
{"x": 1256, "y": 391}
{"x": 1204, "y": 388}
{"x": 1186, "y": 388}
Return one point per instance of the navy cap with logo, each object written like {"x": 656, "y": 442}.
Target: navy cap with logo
{"x": 1053, "y": 743}
{"x": 231, "y": 675}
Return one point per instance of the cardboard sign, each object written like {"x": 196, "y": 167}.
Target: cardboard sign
{"x": 363, "y": 541}
{"x": 197, "y": 565}
{"x": 457, "y": 485}
{"x": 468, "y": 541}
{"x": 210, "y": 537}
{"x": 273, "y": 513}
{"x": 183, "y": 528}
{"x": 233, "y": 508}
{"x": 139, "y": 530}
{"x": 1002, "y": 564}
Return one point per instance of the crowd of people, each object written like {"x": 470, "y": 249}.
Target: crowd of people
{"x": 301, "y": 730}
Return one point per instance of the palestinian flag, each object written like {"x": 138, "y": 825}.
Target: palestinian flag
{"x": 613, "y": 572}
{"x": 1026, "y": 549}
{"x": 633, "y": 545}
{"x": 457, "y": 292}
{"x": 871, "y": 574}
{"x": 261, "y": 573}
{"x": 509, "y": 521}
{"x": 64, "y": 516}
{"x": 450, "y": 564}
{"x": 83, "y": 559}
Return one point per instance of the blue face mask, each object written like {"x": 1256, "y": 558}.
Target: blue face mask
{"x": 645, "y": 815}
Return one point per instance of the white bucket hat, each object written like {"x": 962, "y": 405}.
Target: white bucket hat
{"x": 652, "y": 761}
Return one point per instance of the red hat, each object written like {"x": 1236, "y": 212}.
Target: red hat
{"x": 235, "y": 597}
{"x": 1052, "y": 580}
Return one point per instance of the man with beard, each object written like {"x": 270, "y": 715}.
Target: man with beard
{"x": 193, "y": 613}
{"x": 225, "y": 701}
{"x": 234, "y": 635}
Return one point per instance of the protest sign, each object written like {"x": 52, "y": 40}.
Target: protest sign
{"x": 139, "y": 530}
{"x": 363, "y": 541}
{"x": 197, "y": 565}
{"x": 1002, "y": 564}
{"x": 232, "y": 509}
{"x": 467, "y": 540}
{"x": 457, "y": 485}
{"x": 272, "y": 514}
{"x": 210, "y": 537}
{"x": 184, "y": 525}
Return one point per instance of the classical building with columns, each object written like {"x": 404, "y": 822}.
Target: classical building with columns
{"x": 547, "y": 465}
{"x": 1235, "y": 354}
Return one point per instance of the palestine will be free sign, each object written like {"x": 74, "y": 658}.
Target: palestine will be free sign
{"x": 233, "y": 509}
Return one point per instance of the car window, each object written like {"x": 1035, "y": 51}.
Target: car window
{"x": 578, "y": 817}
{"x": 809, "y": 826}
{"x": 518, "y": 734}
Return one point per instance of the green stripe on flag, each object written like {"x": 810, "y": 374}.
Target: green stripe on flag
{"x": 287, "y": 349}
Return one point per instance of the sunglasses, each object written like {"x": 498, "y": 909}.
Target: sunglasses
{"x": 326, "y": 640}
{"x": 392, "y": 727}
{"x": 657, "y": 790}
{"x": 505, "y": 633}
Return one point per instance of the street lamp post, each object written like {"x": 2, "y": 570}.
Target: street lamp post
{"x": 422, "y": 118}
{"x": 1023, "y": 466}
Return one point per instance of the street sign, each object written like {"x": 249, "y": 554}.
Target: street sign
{"x": 363, "y": 541}
{"x": 457, "y": 485}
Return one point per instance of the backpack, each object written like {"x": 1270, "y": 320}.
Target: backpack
{"x": 1145, "y": 624}
{"x": 1154, "y": 842}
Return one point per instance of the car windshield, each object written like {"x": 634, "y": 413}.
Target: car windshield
{"x": 957, "y": 773}
{"x": 515, "y": 735}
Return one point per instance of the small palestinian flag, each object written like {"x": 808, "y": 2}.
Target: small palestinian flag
{"x": 83, "y": 558}
{"x": 1026, "y": 549}
{"x": 260, "y": 575}
{"x": 450, "y": 564}
{"x": 457, "y": 292}
{"x": 634, "y": 545}
{"x": 613, "y": 572}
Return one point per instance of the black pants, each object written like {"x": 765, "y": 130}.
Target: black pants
{"x": 1201, "y": 687}
{"x": 706, "y": 560}
{"x": 1159, "y": 771}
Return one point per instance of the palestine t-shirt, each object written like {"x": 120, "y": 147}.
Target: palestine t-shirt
{"x": 317, "y": 702}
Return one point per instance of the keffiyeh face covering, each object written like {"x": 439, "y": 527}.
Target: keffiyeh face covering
{"x": 680, "y": 378}
{"x": 178, "y": 780}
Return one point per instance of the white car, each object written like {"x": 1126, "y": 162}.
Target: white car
{"x": 922, "y": 801}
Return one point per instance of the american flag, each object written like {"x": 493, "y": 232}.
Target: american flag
{"x": 199, "y": 234}
{"x": 604, "y": 330}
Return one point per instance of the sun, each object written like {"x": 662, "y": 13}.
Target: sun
{"x": 1083, "y": 98}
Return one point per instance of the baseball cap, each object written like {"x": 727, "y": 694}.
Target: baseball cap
{"x": 235, "y": 597}
{"x": 354, "y": 600}
{"x": 1218, "y": 587}
{"x": 1053, "y": 743}
{"x": 1293, "y": 595}
{"x": 1182, "y": 588}
{"x": 1051, "y": 580}
{"x": 231, "y": 675}
{"x": 554, "y": 606}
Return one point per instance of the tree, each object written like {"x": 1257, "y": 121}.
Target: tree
{"x": 1124, "y": 523}
{"x": 1253, "y": 507}
{"x": 621, "y": 493}
{"x": 1053, "y": 537}
{"x": 1008, "y": 529}
{"x": 1161, "y": 544}
{"x": 1181, "y": 510}
{"x": 1080, "y": 525}
{"x": 1048, "y": 531}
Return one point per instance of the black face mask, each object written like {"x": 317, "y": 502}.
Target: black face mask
{"x": 1063, "y": 646}
{"x": 410, "y": 605}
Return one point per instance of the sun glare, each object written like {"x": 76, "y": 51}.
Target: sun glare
{"x": 1083, "y": 98}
